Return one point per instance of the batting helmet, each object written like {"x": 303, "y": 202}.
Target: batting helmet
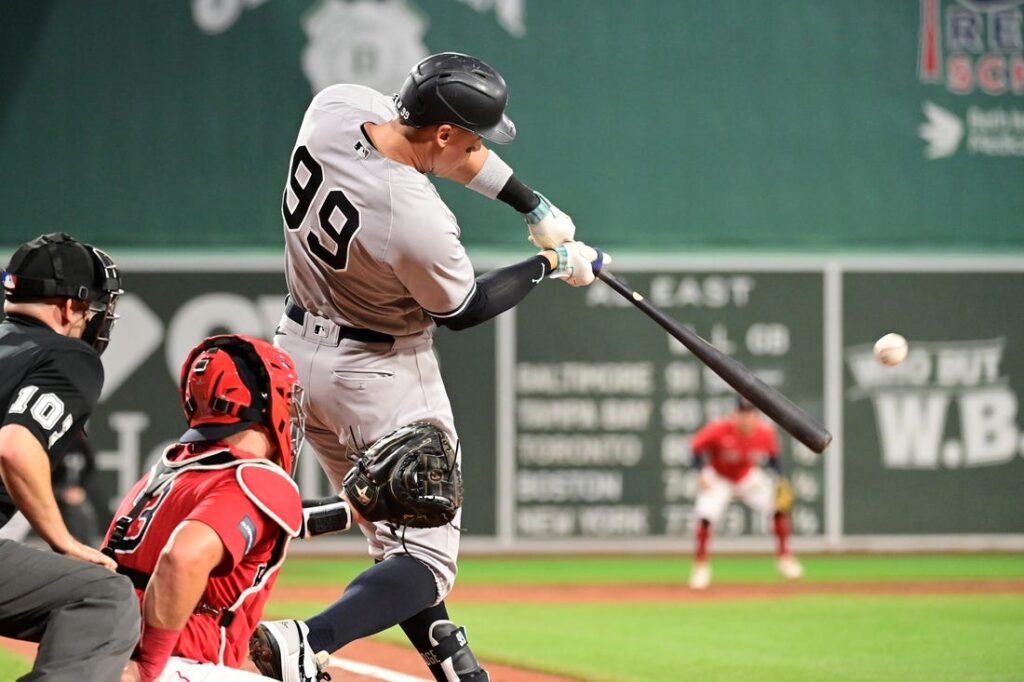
{"x": 59, "y": 266}
{"x": 458, "y": 89}
{"x": 231, "y": 382}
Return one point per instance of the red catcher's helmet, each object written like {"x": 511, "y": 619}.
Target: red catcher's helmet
{"x": 231, "y": 382}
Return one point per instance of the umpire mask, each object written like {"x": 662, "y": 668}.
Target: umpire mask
{"x": 97, "y": 329}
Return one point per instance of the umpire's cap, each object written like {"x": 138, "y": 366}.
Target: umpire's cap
{"x": 59, "y": 266}
{"x": 458, "y": 89}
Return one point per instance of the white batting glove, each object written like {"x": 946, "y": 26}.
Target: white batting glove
{"x": 549, "y": 226}
{"x": 578, "y": 264}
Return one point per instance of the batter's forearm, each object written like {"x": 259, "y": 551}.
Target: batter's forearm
{"x": 501, "y": 289}
{"x": 516, "y": 194}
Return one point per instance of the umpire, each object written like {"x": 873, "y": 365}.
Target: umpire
{"x": 59, "y": 303}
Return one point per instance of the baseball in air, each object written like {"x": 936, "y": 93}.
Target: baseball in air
{"x": 891, "y": 349}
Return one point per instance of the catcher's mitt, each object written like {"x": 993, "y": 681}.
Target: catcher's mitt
{"x": 408, "y": 477}
{"x": 783, "y": 496}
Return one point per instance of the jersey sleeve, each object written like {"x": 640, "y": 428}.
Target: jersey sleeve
{"x": 770, "y": 438}
{"x": 58, "y": 395}
{"x": 431, "y": 261}
{"x": 235, "y": 519}
{"x": 704, "y": 438}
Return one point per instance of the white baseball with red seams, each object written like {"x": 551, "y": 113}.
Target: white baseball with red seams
{"x": 891, "y": 349}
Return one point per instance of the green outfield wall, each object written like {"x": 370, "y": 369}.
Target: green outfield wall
{"x": 665, "y": 124}
{"x": 575, "y": 411}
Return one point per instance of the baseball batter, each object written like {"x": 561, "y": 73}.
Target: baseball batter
{"x": 726, "y": 452}
{"x": 374, "y": 264}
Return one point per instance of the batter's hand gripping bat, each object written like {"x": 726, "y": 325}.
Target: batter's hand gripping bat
{"x": 786, "y": 414}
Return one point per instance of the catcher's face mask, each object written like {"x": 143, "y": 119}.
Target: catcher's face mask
{"x": 297, "y": 410}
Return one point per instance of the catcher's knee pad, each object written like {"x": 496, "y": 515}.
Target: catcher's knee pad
{"x": 451, "y": 653}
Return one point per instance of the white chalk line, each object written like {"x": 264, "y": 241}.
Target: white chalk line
{"x": 373, "y": 671}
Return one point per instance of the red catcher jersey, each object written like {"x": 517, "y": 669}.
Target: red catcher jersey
{"x": 250, "y": 536}
{"x": 732, "y": 453}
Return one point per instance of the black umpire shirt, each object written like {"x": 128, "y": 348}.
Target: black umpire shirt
{"x": 48, "y": 383}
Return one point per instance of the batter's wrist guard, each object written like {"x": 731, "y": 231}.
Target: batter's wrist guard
{"x": 561, "y": 271}
{"x": 538, "y": 214}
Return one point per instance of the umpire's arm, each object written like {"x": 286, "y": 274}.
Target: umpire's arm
{"x": 25, "y": 469}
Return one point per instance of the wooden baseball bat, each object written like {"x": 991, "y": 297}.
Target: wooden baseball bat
{"x": 784, "y": 411}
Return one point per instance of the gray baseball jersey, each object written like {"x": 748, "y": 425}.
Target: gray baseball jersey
{"x": 369, "y": 242}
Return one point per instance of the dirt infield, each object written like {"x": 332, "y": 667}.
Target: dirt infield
{"x": 408, "y": 666}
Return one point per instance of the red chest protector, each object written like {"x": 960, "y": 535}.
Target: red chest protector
{"x": 266, "y": 485}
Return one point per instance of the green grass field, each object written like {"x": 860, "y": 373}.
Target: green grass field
{"x": 854, "y": 637}
{"x": 831, "y": 637}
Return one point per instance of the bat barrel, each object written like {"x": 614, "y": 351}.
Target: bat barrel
{"x": 769, "y": 400}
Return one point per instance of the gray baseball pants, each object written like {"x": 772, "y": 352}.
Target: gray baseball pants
{"x": 85, "y": 618}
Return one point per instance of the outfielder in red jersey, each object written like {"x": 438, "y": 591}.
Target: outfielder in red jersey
{"x": 203, "y": 534}
{"x": 727, "y": 453}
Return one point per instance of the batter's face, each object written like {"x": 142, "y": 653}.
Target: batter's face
{"x": 453, "y": 147}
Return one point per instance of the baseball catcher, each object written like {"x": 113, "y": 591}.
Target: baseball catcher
{"x": 203, "y": 534}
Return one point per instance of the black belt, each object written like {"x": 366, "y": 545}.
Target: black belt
{"x": 298, "y": 315}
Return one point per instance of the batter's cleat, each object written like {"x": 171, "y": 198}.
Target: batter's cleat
{"x": 280, "y": 650}
{"x": 700, "y": 576}
{"x": 789, "y": 567}
{"x": 451, "y": 651}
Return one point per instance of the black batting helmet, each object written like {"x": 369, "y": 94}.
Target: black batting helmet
{"x": 458, "y": 89}
{"x": 59, "y": 266}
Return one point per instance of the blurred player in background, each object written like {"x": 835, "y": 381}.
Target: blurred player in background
{"x": 70, "y": 485}
{"x": 726, "y": 454}
{"x": 374, "y": 262}
{"x": 60, "y": 296}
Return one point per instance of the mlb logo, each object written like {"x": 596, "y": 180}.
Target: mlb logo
{"x": 9, "y": 281}
{"x": 361, "y": 151}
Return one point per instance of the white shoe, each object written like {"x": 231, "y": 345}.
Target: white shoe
{"x": 700, "y": 576}
{"x": 280, "y": 649}
{"x": 789, "y": 567}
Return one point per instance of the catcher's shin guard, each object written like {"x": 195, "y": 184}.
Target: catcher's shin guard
{"x": 280, "y": 650}
{"x": 451, "y": 655}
